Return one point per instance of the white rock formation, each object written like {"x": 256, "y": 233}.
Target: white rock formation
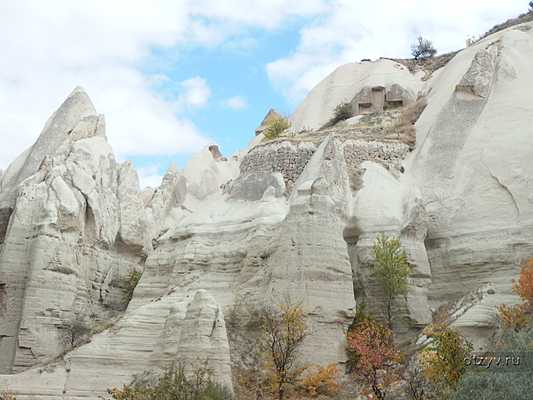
{"x": 73, "y": 223}
{"x": 343, "y": 84}
{"x": 472, "y": 167}
{"x": 291, "y": 218}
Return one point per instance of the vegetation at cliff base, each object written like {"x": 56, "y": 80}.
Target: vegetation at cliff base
{"x": 444, "y": 358}
{"x": 7, "y": 395}
{"x": 285, "y": 330}
{"x": 376, "y": 356}
{"x": 279, "y": 371}
{"x": 173, "y": 384}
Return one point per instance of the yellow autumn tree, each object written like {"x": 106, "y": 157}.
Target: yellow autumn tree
{"x": 319, "y": 380}
{"x": 443, "y": 360}
{"x": 284, "y": 331}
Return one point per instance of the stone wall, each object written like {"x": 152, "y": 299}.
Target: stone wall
{"x": 288, "y": 158}
{"x": 388, "y": 154}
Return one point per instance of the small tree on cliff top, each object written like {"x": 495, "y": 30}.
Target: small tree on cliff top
{"x": 422, "y": 49}
{"x": 391, "y": 270}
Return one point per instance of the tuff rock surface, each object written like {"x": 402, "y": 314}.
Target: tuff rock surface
{"x": 294, "y": 218}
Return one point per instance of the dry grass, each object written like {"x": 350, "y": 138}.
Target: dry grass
{"x": 405, "y": 128}
{"x": 427, "y": 65}
{"x": 442, "y": 314}
{"x": 527, "y": 17}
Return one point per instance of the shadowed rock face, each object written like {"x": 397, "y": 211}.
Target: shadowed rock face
{"x": 292, "y": 218}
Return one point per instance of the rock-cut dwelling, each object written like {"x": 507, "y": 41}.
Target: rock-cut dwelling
{"x": 378, "y": 98}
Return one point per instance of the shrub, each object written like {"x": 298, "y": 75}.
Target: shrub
{"x": 7, "y": 395}
{"x": 516, "y": 341}
{"x": 495, "y": 386}
{"x": 360, "y": 316}
{"x": 516, "y": 317}
{"x": 377, "y": 355}
{"x": 320, "y": 381}
{"x": 173, "y": 384}
{"x": 285, "y": 330}
{"x": 410, "y": 114}
{"x": 512, "y": 317}
{"x": 422, "y": 49}
{"x": 443, "y": 360}
{"x": 524, "y": 286}
{"x": 276, "y": 128}
{"x": 391, "y": 270}
{"x": 418, "y": 387}
{"x": 342, "y": 112}
{"x": 131, "y": 281}
{"x": 492, "y": 384}
{"x": 531, "y": 6}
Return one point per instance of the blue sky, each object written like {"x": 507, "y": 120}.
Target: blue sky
{"x": 172, "y": 76}
{"x": 235, "y": 69}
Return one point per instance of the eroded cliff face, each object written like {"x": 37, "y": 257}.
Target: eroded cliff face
{"x": 76, "y": 226}
{"x": 295, "y": 217}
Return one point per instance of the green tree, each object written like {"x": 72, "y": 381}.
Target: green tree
{"x": 391, "y": 269}
{"x": 531, "y": 6}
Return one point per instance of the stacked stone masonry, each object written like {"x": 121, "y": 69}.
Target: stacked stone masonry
{"x": 285, "y": 157}
{"x": 388, "y": 154}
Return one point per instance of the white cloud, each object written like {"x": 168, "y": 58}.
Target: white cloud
{"x": 48, "y": 48}
{"x": 351, "y": 30}
{"x": 150, "y": 176}
{"x": 236, "y": 103}
{"x": 196, "y": 92}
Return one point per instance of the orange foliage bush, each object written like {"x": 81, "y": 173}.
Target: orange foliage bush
{"x": 524, "y": 286}
{"x": 516, "y": 317}
{"x": 513, "y": 317}
{"x": 377, "y": 355}
{"x": 322, "y": 380}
